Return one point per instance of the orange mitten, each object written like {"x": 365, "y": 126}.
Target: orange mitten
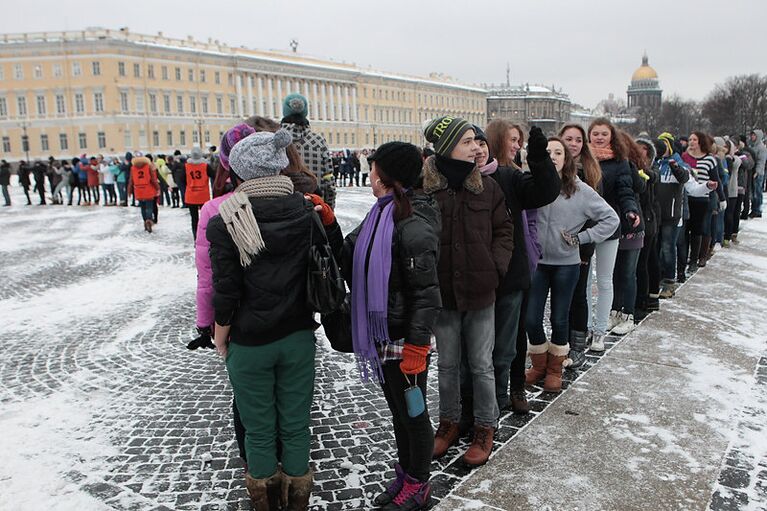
{"x": 326, "y": 212}
{"x": 414, "y": 358}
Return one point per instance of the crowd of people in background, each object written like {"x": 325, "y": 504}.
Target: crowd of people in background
{"x": 466, "y": 242}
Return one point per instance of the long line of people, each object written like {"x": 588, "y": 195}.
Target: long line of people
{"x": 461, "y": 251}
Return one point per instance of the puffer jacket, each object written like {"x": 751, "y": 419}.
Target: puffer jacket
{"x": 617, "y": 189}
{"x": 414, "y": 298}
{"x": 476, "y": 241}
{"x": 673, "y": 173}
{"x": 266, "y": 301}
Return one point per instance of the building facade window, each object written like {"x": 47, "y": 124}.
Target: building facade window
{"x": 98, "y": 101}
{"x": 204, "y": 104}
{"x": 18, "y": 72}
{"x": 25, "y": 143}
{"x": 140, "y": 102}
{"x": 192, "y": 105}
{"x": 164, "y": 71}
{"x": 3, "y": 107}
{"x": 38, "y": 70}
{"x": 7, "y": 144}
{"x": 169, "y": 138}
{"x": 61, "y": 107}
{"x": 182, "y": 138}
{"x": 21, "y": 106}
{"x": 124, "y": 102}
{"x": 191, "y": 75}
{"x": 150, "y": 71}
{"x": 155, "y": 138}
{"x": 121, "y": 68}
{"x": 166, "y": 103}
{"x": 232, "y": 106}
{"x": 217, "y": 77}
{"x": 82, "y": 140}
{"x": 96, "y": 68}
{"x": 128, "y": 138}
{"x": 57, "y": 71}
{"x": 180, "y": 104}
{"x": 195, "y": 137}
{"x": 102, "y": 139}
{"x": 76, "y": 69}
{"x": 153, "y": 103}
{"x": 44, "y": 142}
{"x": 79, "y": 103}
{"x": 63, "y": 142}
{"x": 219, "y": 106}
{"x": 202, "y": 75}
{"x": 142, "y": 138}
{"x": 178, "y": 74}
{"x": 136, "y": 70}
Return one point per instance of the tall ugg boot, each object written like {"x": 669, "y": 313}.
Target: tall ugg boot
{"x": 538, "y": 357}
{"x": 577, "y": 355}
{"x": 264, "y": 493}
{"x": 705, "y": 251}
{"x": 296, "y": 491}
{"x": 556, "y": 356}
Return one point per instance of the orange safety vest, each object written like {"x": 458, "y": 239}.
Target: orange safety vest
{"x": 197, "y": 189}
{"x": 142, "y": 182}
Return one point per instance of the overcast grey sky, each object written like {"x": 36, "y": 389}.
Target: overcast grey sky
{"x": 589, "y": 48}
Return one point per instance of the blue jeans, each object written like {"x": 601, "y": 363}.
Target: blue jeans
{"x": 625, "y": 280}
{"x": 507, "y": 309}
{"x": 477, "y": 329}
{"x": 561, "y": 281}
{"x": 123, "y": 192}
{"x": 147, "y": 209}
{"x": 756, "y": 194}
{"x": 668, "y": 238}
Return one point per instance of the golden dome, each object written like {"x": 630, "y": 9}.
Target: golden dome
{"x": 644, "y": 72}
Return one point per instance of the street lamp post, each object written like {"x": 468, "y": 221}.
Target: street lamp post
{"x": 25, "y": 138}
{"x": 199, "y": 122}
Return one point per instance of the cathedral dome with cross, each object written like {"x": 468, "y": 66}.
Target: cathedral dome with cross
{"x": 644, "y": 89}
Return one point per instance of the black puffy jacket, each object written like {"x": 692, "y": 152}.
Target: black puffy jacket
{"x": 414, "y": 297}
{"x": 266, "y": 301}
{"x": 616, "y": 187}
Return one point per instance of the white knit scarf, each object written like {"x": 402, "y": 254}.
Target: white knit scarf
{"x": 238, "y": 217}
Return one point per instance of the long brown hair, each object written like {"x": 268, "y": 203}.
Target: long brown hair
{"x": 402, "y": 206}
{"x": 704, "y": 141}
{"x": 496, "y": 133}
{"x": 592, "y": 172}
{"x": 569, "y": 170}
{"x": 296, "y": 164}
{"x": 634, "y": 152}
{"x": 619, "y": 150}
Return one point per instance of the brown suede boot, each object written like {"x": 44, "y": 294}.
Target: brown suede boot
{"x": 296, "y": 491}
{"x": 481, "y": 446}
{"x": 556, "y": 355}
{"x": 446, "y": 436}
{"x": 519, "y": 402}
{"x": 264, "y": 493}
{"x": 538, "y": 357}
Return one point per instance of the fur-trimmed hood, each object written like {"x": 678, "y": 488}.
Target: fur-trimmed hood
{"x": 140, "y": 162}
{"x": 434, "y": 180}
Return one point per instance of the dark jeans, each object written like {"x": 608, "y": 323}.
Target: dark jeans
{"x": 6, "y": 195}
{"x": 579, "y": 307}
{"x": 625, "y": 280}
{"x": 561, "y": 281}
{"x": 147, "y": 209}
{"x": 174, "y": 196}
{"x": 517, "y": 372}
{"x": 682, "y": 249}
{"x": 507, "y": 308}
{"x": 40, "y": 189}
{"x": 182, "y": 190}
{"x": 732, "y": 216}
{"x": 164, "y": 195}
{"x": 364, "y": 179}
{"x": 414, "y": 435}
{"x": 757, "y": 194}
{"x": 122, "y": 191}
{"x": 700, "y": 217}
{"x": 648, "y": 270}
{"x": 110, "y": 190}
{"x": 668, "y": 239}
{"x": 194, "y": 212}
{"x": 94, "y": 191}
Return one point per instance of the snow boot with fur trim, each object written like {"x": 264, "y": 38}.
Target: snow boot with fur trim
{"x": 296, "y": 491}
{"x": 556, "y": 356}
{"x": 537, "y": 353}
{"x": 264, "y": 493}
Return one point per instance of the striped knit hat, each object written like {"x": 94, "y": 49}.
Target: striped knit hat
{"x": 445, "y": 132}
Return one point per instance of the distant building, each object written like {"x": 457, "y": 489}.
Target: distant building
{"x": 529, "y": 105}
{"x": 108, "y": 91}
{"x": 644, "y": 90}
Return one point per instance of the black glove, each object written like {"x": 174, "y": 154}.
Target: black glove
{"x": 537, "y": 145}
{"x": 203, "y": 340}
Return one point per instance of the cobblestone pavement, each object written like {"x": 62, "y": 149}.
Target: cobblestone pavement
{"x": 97, "y": 317}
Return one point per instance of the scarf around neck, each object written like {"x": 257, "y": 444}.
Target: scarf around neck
{"x": 602, "y": 153}
{"x": 455, "y": 171}
{"x": 237, "y": 213}
{"x": 370, "y": 287}
{"x": 489, "y": 168}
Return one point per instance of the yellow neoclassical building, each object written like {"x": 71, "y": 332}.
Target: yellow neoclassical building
{"x": 110, "y": 91}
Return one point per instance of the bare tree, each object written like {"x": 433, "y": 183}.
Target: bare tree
{"x": 738, "y": 105}
{"x": 681, "y": 117}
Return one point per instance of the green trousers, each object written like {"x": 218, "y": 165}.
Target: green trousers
{"x": 273, "y": 386}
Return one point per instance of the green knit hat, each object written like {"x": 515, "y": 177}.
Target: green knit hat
{"x": 295, "y": 104}
{"x": 445, "y": 132}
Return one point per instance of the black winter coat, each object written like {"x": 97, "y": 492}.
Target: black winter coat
{"x": 649, "y": 205}
{"x": 616, "y": 188}
{"x": 5, "y": 174}
{"x": 266, "y": 301}
{"x": 524, "y": 190}
{"x": 414, "y": 297}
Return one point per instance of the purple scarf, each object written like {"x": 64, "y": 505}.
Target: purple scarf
{"x": 370, "y": 287}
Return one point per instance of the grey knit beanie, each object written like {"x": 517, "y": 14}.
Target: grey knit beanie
{"x": 261, "y": 154}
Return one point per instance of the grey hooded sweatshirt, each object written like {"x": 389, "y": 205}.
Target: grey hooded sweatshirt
{"x": 570, "y": 215}
{"x": 760, "y": 150}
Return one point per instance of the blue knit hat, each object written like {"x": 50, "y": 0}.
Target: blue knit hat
{"x": 295, "y": 104}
